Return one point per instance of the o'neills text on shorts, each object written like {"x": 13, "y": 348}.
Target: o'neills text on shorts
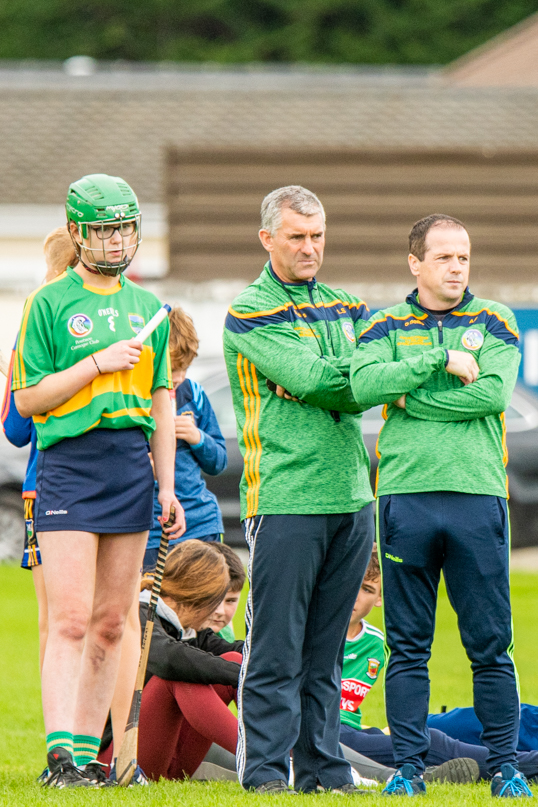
{"x": 56, "y": 513}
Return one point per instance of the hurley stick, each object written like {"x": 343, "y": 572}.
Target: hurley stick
{"x": 146, "y": 331}
{"x": 156, "y": 320}
{"x": 128, "y": 756}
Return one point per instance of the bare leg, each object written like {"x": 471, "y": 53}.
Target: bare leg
{"x": 125, "y": 684}
{"x": 69, "y": 575}
{"x": 119, "y": 559}
{"x": 42, "y": 607}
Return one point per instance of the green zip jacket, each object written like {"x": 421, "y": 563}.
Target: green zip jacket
{"x": 306, "y": 457}
{"x": 449, "y": 436}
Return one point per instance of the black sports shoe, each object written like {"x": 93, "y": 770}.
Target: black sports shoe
{"x": 509, "y": 783}
{"x": 461, "y": 771}
{"x": 275, "y": 787}
{"x": 95, "y": 772}
{"x": 63, "y": 772}
{"x": 349, "y": 789}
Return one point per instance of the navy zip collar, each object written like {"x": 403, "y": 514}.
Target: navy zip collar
{"x": 310, "y": 283}
{"x": 412, "y": 299}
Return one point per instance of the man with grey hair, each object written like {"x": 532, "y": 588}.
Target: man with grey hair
{"x": 294, "y": 196}
{"x": 305, "y": 500}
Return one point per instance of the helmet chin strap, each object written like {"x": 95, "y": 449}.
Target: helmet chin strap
{"x": 89, "y": 269}
{"x": 97, "y": 271}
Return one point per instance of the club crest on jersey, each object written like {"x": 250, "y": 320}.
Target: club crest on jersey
{"x": 373, "y": 668}
{"x": 137, "y": 322}
{"x": 472, "y": 339}
{"x": 349, "y": 331}
{"x": 79, "y": 325}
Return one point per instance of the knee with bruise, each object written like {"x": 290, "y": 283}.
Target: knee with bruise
{"x": 72, "y": 626}
{"x": 109, "y": 628}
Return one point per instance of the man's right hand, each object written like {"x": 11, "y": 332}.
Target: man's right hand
{"x": 463, "y": 365}
{"x": 283, "y": 393}
{"x": 122, "y": 355}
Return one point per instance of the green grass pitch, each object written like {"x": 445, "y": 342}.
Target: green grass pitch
{"x": 22, "y": 745}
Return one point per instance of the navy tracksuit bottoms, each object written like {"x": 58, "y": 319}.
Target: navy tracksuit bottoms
{"x": 305, "y": 572}
{"x": 467, "y": 537}
{"x": 372, "y": 743}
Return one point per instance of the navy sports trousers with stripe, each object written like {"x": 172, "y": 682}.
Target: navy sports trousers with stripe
{"x": 305, "y": 572}
{"x": 467, "y": 537}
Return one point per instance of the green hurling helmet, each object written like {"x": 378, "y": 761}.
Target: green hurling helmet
{"x": 100, "y": 206}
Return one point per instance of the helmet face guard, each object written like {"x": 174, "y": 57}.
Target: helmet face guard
{"x": 101, "y": 206}
{"x": 95, "y": 249}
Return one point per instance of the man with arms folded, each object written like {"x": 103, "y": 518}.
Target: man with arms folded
{"x": 445, "y": 364}
{"x": 305, "y": 500}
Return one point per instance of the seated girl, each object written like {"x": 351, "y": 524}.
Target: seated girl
{"x": 192, "y": 673}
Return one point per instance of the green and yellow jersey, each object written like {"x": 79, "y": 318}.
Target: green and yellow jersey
{"x": 363, "y": 662}
{"x": 449, "y": 436}
{"x": 306, "y": 456}
{"x": 68, "y": 320}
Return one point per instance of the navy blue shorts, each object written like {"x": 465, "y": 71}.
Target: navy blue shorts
{"x": 101, "y": 482}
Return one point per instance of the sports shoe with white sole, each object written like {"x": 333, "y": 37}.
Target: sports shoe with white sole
{"x": 63, "y": 772}
{"x": 139, "y": 777}
{"x": 95, "y": 772}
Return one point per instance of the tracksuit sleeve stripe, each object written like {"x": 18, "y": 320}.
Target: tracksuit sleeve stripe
{"x": 248, "y": 381}
{"x": 246, "y": 432}
{"x": 377, "y": 330}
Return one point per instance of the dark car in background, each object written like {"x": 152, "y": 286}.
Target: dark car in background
{"x": 521, "y": 437}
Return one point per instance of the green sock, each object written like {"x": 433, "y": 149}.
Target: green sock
{"x": 86, "y": 748}
{"x": 63, "y": 738}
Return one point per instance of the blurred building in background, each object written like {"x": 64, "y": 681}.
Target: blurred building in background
{"x": 507, "y": 60}
{"x": 202, "y": 145}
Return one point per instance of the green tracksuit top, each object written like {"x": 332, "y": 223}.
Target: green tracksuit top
{"x": 302, "y": 457}
{"x": 450, "y": 436}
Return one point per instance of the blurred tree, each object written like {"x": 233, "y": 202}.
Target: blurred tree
{"x": 227, "y": 31}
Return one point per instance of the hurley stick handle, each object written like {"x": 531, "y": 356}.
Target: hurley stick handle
{"x": 128, "y": 756}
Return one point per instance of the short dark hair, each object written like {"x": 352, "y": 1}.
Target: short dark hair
{"x": 373, "y": 570}
{"x": 420, "y": 229}
{"x": 235, "y": 567}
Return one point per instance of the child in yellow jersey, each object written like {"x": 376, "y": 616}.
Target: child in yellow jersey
{"x": 97, "y": 395}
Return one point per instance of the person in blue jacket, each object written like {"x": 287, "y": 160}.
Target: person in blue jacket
{"x": 59, "y": 254}
{"x": 462, "y": 724}
{"x": 200, "y": 445}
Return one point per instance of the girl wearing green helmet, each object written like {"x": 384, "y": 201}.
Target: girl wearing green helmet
{"x": 97, "y": 395}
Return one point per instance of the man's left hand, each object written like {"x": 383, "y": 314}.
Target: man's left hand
{"x": 400, "y": 403}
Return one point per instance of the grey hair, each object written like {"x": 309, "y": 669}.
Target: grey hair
{"x": 296, "y": 197}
